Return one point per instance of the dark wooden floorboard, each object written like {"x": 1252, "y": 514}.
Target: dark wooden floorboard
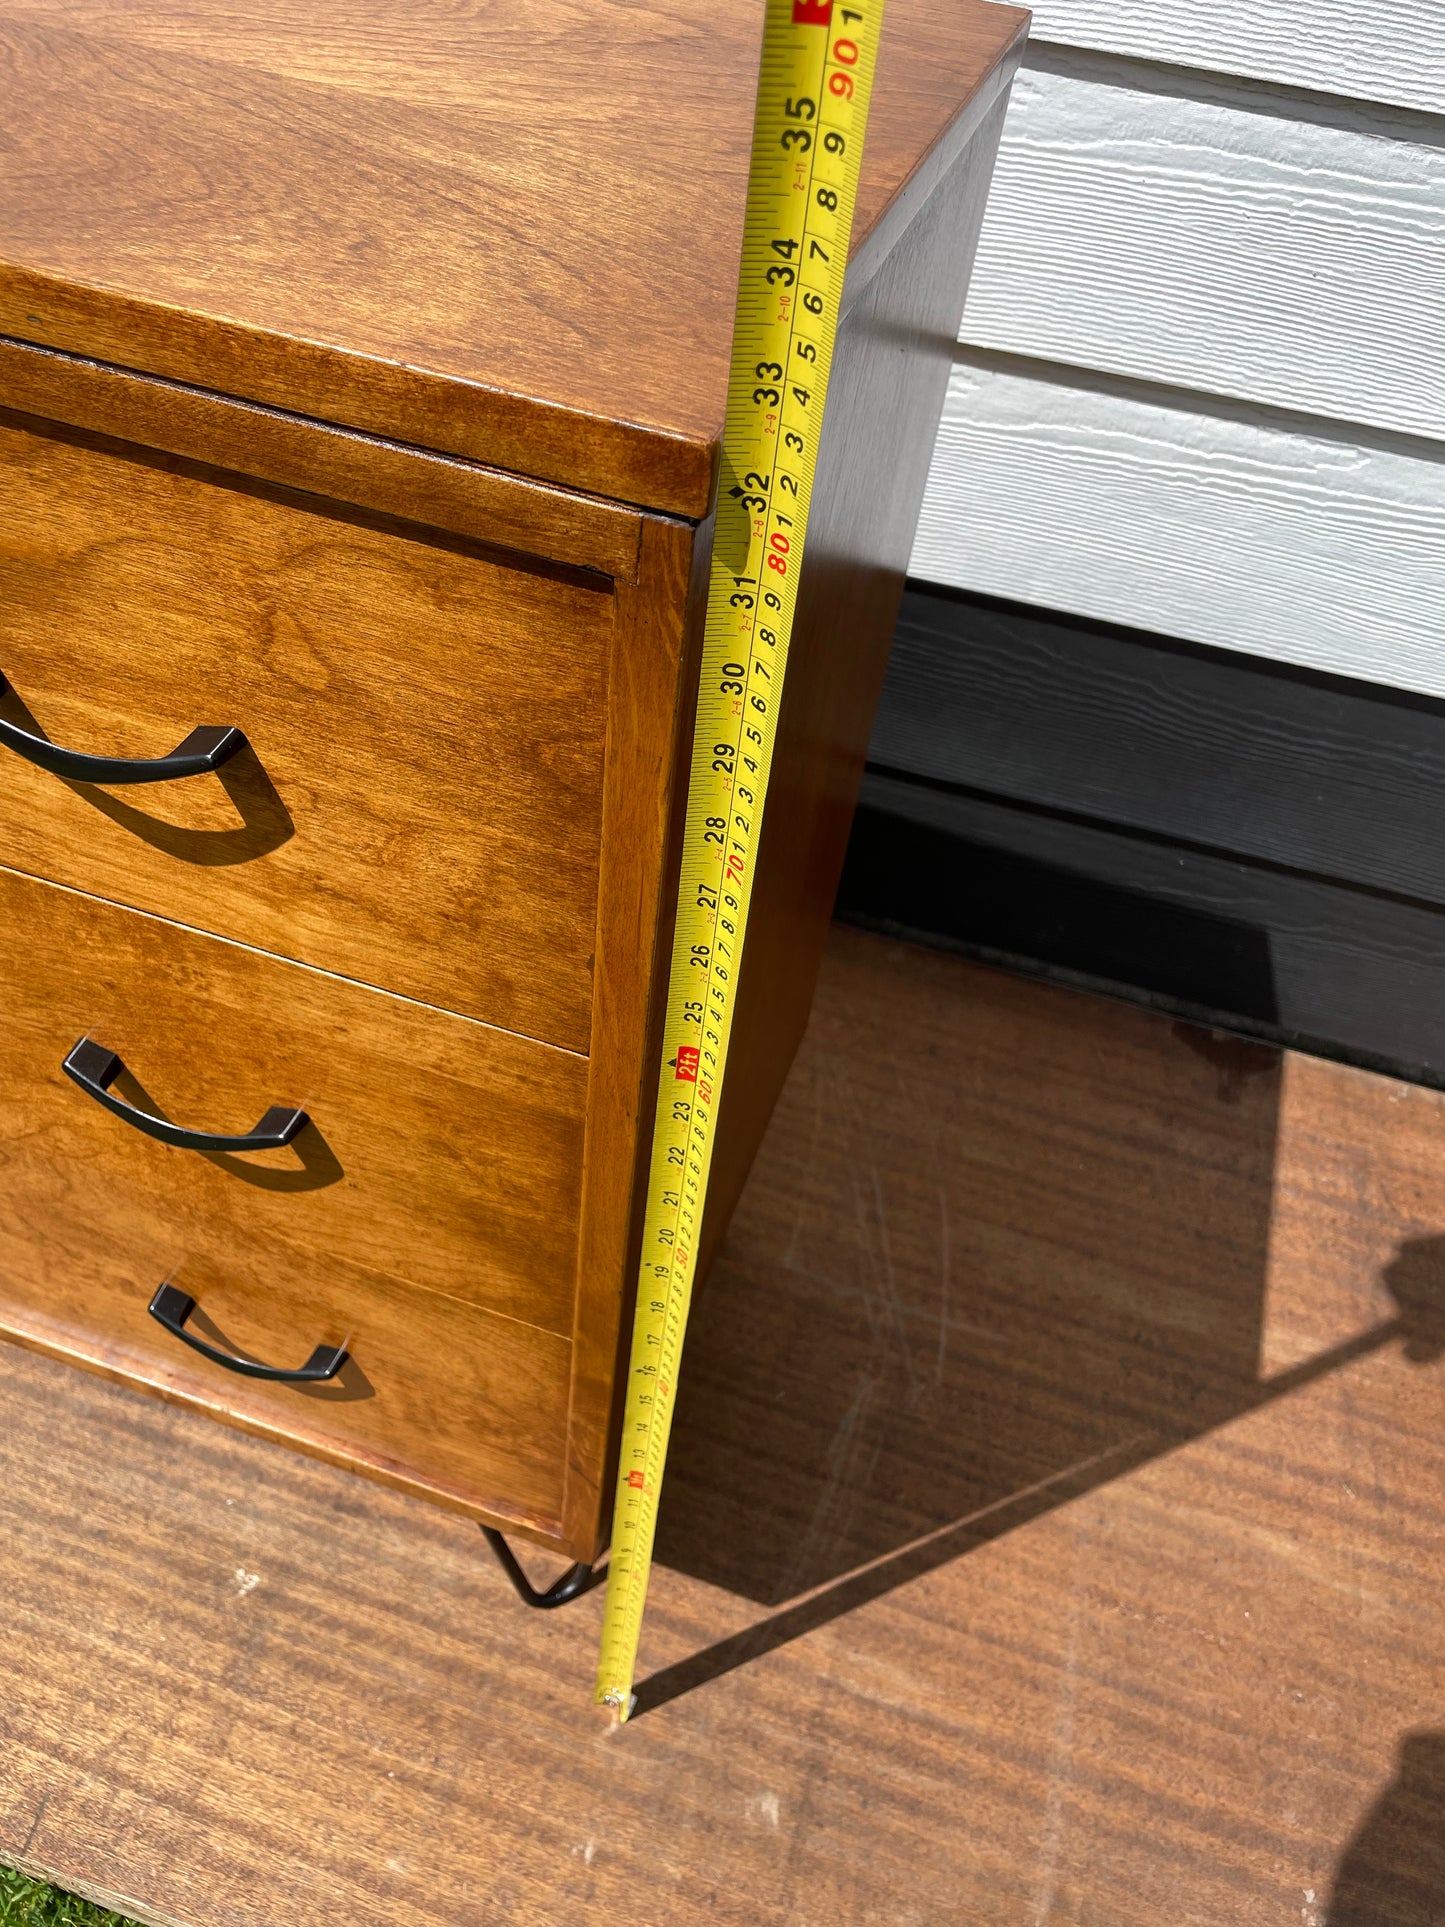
{"x": 1055, "y": 1535}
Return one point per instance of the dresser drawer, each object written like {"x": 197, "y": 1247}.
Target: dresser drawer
{"x": 453, "y": 1403}
{"x": 438, "y": 1152}
{"x": 419, "y": 804}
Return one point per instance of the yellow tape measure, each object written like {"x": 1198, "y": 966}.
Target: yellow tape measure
{"x": 817, "y": 77}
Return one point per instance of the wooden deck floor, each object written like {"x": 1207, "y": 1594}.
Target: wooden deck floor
{"x": 1055, "y": 1534}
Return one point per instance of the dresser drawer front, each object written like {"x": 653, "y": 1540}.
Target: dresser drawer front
{"x": 419, "y": 807}
{"x": 452, "y": 1402}
{"x": 439, "y": 1153}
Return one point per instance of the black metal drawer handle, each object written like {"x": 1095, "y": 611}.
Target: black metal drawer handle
{"x": 203, "y": 751}
{"x": 172, "y": 1308}
{"x": 95, "y": 1069}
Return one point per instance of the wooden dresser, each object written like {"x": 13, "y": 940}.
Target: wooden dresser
{"x": 361, "y": 381}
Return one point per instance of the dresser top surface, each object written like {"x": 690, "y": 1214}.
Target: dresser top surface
{"x": 500, "y": 228}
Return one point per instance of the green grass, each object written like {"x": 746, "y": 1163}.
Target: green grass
{"x": 30, "y": 1903}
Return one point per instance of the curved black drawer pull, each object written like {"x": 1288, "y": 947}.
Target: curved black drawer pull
{"x": 95, "y": 1069}
{"x": 172, "y": 1308}
{"x": 203, "y": 750}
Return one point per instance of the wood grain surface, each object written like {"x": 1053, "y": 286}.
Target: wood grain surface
{"x": 652, "y": 690}
{"x": 440, "y": 1152}
{"x": 457, "y": 1315}
{"x": 508, "y": 236}
{"x": 459, "y": 1406}
{"x": 1114, "y": 1347}
{"x": 420, "y": 807}
{"x": 1208, "y": 239}
{"x": 393, "y": 478}
{"x": 426, "y": 807}
{"x": 1213, "y": 521}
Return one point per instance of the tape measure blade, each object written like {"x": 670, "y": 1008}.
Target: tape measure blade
{"x": 813, "y": 94}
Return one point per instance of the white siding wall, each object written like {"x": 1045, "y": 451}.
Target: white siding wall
{"x": 1291, "y": 543}
{"x": 1390, "y": 50}
{"x": 1160, "y": 237}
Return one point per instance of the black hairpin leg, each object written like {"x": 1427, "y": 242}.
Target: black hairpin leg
{"x": 574, "y": 1581}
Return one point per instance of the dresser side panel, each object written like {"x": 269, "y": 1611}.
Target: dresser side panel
{"x": 890, "y": 373}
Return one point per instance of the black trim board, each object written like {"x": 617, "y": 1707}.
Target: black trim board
{"x": 1252, "y": 846}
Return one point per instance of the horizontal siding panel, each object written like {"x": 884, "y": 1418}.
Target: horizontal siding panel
{"x": 1207, "y": 748}
{"x": 1214, "y": 528}
{"x": 1390, "y": 50}
{"x": 1298, "y": 959}
{"x": 1193, "y": 242}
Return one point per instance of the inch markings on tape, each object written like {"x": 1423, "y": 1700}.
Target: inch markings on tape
{"x": 813, "y": 93}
